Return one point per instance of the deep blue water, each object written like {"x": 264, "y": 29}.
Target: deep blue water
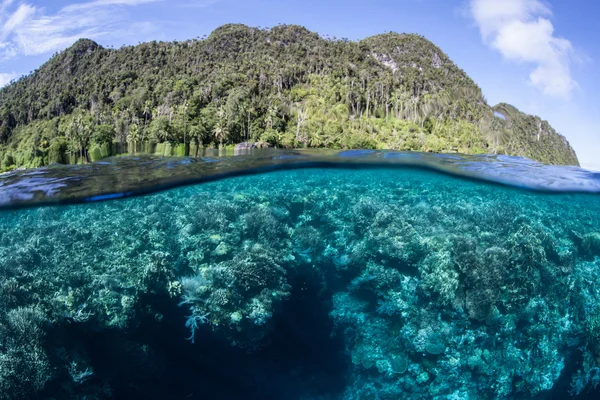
{"x": 300, "y": 275}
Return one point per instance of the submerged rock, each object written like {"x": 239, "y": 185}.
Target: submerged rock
{"x": 591, "y": 244}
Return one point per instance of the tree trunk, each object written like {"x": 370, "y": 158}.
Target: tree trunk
{"x": 145, "y": 123}
{"x": 387, "y": 106}
{"x": 248, "y": 128}
{"x": 301, "y": 118}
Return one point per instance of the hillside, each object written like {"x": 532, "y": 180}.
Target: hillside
{"x": 521, "y": 130}
{"x": 286, "y": 86}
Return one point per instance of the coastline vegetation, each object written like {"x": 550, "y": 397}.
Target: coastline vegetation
{"x": 284, "y": 86}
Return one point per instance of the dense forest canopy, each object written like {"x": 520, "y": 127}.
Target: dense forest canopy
{"x": 285, "y": 86}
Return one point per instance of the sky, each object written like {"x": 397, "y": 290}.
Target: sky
{"x": 542, "y": 56}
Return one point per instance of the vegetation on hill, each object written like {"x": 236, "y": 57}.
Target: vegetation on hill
{"x": 285, "y": 86}
{"x": 519, "y": 130}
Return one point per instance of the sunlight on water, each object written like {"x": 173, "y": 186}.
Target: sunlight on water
{"x": 304, "y": 284}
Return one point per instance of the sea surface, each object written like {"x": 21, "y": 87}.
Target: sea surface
{"x": 300, "y": 275}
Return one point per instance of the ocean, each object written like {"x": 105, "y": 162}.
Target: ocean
{"x": 300, "y": 275}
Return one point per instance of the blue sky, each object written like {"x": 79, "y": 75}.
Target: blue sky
{"x": 541, "y": 56}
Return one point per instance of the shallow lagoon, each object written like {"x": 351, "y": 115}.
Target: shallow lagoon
{"x": 304, "y": 284}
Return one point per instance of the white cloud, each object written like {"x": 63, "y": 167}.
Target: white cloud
{"x": 521, "y": 31}
{"x": 32, "y": 30}
{"x": 5, "y": 78}
{"x": 123, "y": 2}
{"x": 104, "y": 3}
{"x": 198, "y": 3}
{"x": 5, "y": 4}
{"x": 23, "y": 13}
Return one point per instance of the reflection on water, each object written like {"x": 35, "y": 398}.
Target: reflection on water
{"x": 132, "y": 175}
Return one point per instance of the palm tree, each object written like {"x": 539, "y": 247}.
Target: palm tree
{"x": 134, "y": 136}
{"x": 220, "y": 130}
{"x": 315, "y": 139}
{"x": 163, "y": 134}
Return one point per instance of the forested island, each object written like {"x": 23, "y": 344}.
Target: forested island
{"x": 283, "y": 86}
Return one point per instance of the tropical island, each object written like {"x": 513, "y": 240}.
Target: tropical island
{"x": 301, "y": 283}
{"x": 284, "y": 86}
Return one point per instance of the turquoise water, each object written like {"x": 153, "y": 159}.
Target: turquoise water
{"x": 316, "y": 283}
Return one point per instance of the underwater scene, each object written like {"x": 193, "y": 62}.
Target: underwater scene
{"x": 303, "y": 283}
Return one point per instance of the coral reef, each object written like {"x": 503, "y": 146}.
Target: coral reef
{"x": 435, "y": 287}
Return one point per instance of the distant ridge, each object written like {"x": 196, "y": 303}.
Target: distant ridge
{"x": 286, "y": 86}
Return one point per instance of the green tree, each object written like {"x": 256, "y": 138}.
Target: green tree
{"x": 311, "y": 91}
{"x": 134, "y": 136}
{"x": 220, "y": 130}
{"x": 103, "y": 134}
{"x": 160, "y": 129}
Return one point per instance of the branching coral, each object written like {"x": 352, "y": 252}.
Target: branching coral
{"x": 237, "y": 296}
